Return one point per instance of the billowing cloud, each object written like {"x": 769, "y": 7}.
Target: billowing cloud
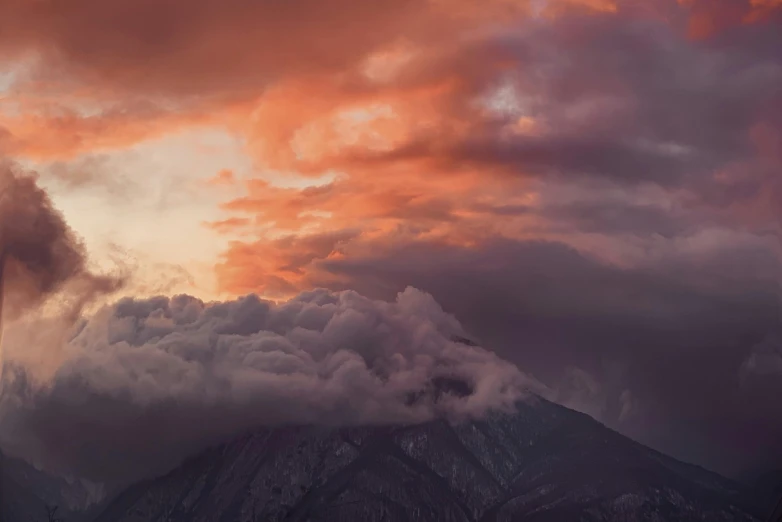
{"x": 39, "y": 254}
{"x": 146, "y": 383}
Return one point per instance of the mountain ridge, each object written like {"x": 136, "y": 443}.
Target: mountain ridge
{"x": 545, "y": 463}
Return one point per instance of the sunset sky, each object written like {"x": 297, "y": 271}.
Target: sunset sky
{"x": 592, "y": 187}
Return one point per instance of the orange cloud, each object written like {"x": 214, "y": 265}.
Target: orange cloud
{"x": 224, "y": 177}
{"x": 433, "y": 92}
{"x": 91, "y": 60}
{"x": 228, "y": 225}
{"x": 86, "y": 66}
{"x": 433, "y": 116}
{"x": 164, "y": 48}
{"x": 350, "y": 212}
{"x": 555, "y": 8}
{"x": 445, "y": 143}
{"x": 762, "y": 10}
{"x": 276, "y": 268}
{"x": 711, "y": 17}
{"x": 50, "y": 131}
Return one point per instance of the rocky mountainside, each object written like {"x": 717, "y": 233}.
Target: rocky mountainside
{"x": 26, "y": 493}
{"x": 768, "y": 488}
{"x": 17, "y": 503}
{"x": 544, "y": 463}
{"x": 68, "y": 495}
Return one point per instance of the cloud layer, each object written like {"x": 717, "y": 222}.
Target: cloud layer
{"x": 146, "y": 383}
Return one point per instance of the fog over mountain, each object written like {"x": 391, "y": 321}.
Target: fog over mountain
{"x": 145, "y": 383}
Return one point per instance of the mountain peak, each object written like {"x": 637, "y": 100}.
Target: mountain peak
{"x": 542, "y": 463}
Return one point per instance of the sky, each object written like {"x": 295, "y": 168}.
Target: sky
{"x": 592, "y": 189}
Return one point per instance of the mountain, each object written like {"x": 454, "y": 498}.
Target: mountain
{"x": 768, "y": 488}
{"x": 26, "y": 492}
{"x": 17, "y": 503}
{"x": 543, "y": 463}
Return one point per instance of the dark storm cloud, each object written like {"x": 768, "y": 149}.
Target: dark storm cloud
{"x": 571, "y": 155}
{"x": 146, "y": 383}
{"x": 674, "y": 336}
{"x": 39, "y": 253}
{"x": 603, "y": 216}
{"x": 630, "y": 101}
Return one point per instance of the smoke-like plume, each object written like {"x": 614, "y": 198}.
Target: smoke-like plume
{"x": 41, "y": 255}
{"x": 41, "y": 259}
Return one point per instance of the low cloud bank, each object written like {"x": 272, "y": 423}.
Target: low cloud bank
{"x": 147, "y": 382}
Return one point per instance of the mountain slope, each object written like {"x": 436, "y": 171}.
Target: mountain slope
{"x": 768, "y": 488}
{"x": 68, "y": 495}
{"x": 25, "y": 493}
{"x": 544, "y": 463}
{"x": 17, "y": 503}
